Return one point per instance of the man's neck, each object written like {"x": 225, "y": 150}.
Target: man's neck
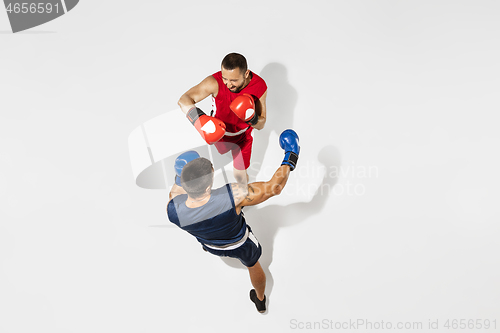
{"x": 250, "y": 76}
{"x": 247, "y": 80}
{"x": 197, "y": 202}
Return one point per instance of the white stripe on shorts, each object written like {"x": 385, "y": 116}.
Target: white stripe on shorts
{"x": 234, "y": 245}
{"x": 237, "y": 133}
{"x": 253, "y": 239}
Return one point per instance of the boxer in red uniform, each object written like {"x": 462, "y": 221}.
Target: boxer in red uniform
{"x": 239, "y": 106}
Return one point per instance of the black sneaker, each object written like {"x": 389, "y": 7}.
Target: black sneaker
{"x": 260, "y": 305}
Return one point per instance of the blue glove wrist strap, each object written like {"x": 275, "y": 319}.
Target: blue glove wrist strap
{"x": 290, "y": 159}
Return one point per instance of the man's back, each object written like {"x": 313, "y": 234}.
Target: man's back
{"x": 214, "y": 223}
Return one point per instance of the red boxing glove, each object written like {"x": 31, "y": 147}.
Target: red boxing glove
{"x": 210, "y": 128}
{"x": 244, "y": 107}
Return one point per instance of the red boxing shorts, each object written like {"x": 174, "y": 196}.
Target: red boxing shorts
{"x": 240, "y": 146}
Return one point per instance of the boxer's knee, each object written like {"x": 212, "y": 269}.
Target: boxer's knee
{"x": 241, "y": 176}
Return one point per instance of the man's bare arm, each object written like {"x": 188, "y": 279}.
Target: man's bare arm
{"x": 205, "y": 88}
{"x": 260, "y": 108}
{"x": 261, "y": 191}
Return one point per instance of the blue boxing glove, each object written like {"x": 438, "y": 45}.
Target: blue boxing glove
{"x": 289, "y": 142}
{"x": 181, "y": 161}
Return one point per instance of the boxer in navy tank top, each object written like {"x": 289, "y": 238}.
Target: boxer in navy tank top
{"x": 215, "y": 217}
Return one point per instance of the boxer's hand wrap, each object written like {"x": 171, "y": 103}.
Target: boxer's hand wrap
{"x": 290, "y": 159}
{"x": 254, "y": 120}
{"x": 193, "y": 114}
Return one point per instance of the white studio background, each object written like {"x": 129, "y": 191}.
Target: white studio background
{"x": 399, "y": 97}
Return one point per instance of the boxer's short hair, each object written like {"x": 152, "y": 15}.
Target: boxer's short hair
{"x": 196, "y": 176}
{"x": 235, "y": 60}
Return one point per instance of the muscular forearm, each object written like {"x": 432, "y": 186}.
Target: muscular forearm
{"x": 260, "y": 123}
{"x": 186, "y": 103}
{"x": 261, "y": 191}
{"x": 198, "y": 93}
{"x": 279, "y": 180}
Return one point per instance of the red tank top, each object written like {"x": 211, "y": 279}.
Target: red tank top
{"x": 220, "y": 104}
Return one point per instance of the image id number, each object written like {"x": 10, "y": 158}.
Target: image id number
{"x": 470, "y": 324}
{"x": 32, "y": 8}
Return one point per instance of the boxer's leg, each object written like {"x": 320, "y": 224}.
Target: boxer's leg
{"x": 222, "y": 147}
{"x": 258, "y": 279}
{"x": 241, "y": 159}
{"x": 241, "y": 176}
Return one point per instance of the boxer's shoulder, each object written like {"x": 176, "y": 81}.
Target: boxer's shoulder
{"x": 239, "y": 191}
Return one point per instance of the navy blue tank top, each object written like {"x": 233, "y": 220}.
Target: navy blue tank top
{"x": 214, "y": 223}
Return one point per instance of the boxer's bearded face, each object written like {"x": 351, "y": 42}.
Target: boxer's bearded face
{"x": 234, "y": 79}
